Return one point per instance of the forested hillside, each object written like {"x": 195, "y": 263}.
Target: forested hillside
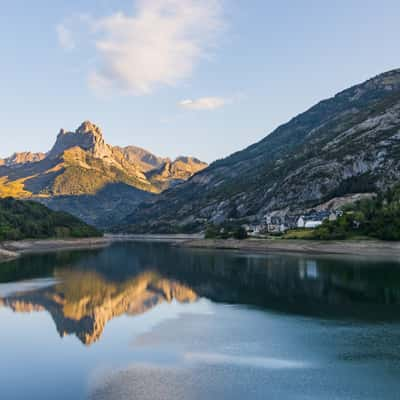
{"x": 30, "y": 220}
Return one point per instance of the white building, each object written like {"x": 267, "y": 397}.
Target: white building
{"x": 301, "y": 223}
{"x": 312, "y": 224}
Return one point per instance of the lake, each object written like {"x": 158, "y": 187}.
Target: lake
{"x": 154, "y": 321}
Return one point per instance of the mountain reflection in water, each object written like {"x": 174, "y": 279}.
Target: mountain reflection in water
{"x": 92, "y": 287}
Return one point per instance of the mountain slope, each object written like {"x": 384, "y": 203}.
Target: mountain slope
{"x": 348, "y": 143}
{"x": 103, "y": 209}
{"x": 81, "y": 164}
{"x": 144, "y": 159}
{"x": 171, "y": 173}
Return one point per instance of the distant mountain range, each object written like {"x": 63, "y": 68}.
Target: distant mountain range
{"x": 87, "y": 177}
{"x": 347, "y": 144}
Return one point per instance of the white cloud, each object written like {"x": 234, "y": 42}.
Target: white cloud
{"x": 159, "y": 45}
{"x": 65, "y": 38}
{"x": 205, "y": 103}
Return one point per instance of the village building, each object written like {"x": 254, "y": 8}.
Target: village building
{"x": 316, "y": 218}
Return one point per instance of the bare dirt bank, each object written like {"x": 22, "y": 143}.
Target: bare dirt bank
{"x": 11, "y": 250}
{"x": 371, "y": 248}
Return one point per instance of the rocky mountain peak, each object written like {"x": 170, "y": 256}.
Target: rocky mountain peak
{"x": 87, "y": 136}
{"x": 90, "y": 128}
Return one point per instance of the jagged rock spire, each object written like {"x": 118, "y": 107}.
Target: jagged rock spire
{"x": 88, "y": 137}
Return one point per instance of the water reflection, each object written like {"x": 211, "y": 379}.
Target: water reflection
{"x": 84, "y": 301}
{"x": 82, "y": 291}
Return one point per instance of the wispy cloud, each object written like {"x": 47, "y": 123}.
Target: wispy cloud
{"x": 205, "y": 103}
{"x": 65, "y": 38}
{"x": 159, "y": 45}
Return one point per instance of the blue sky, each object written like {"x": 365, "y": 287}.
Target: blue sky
{"x": 202, "y": 78}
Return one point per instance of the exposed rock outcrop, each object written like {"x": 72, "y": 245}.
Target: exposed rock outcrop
{"x": 87, "y": 137}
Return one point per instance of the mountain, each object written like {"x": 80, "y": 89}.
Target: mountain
{"x": 349, "y": 143}
{"x": 84, "y": 175}
{"x": 22, "y": 158}
{"x": 141, "y": 157}
{"x": 163, "y": 172}
{"x": 30, "y": 220}
{"x": 171, "y": 173}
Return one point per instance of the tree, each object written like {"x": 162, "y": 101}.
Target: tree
{"x": 240, "y": 233}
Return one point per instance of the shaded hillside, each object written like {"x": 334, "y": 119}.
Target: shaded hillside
{"x": 82, "y": 164}
{"x": 347, "y": 144}
{"x": 103, "y": 209}
{"x": 31, "y": 220}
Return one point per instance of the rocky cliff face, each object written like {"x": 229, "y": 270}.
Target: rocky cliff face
{"x": 82, "y": 172}
{"x": 349, "y": 143}
{"x": 87, "y": 137}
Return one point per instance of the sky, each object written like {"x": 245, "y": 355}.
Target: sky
{"x": 182, "y": 77}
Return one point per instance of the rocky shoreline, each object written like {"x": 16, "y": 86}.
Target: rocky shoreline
{"x": 372, "y": 248}
{"x": 13, "y": 249}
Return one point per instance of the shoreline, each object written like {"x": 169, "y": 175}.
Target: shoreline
{"x": 167, "y": 238}
{"x": 372, "y": 248}
{"x": 11, "y": 250}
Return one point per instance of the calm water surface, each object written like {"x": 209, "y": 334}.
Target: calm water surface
{"x": 150, "y": 321}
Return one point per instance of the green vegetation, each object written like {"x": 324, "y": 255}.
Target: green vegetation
{"x": 300, "y": 233}
{"x": 30, "y": 220}
{"x": 377, "y": 218}
{"x": 225, "y": 231}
